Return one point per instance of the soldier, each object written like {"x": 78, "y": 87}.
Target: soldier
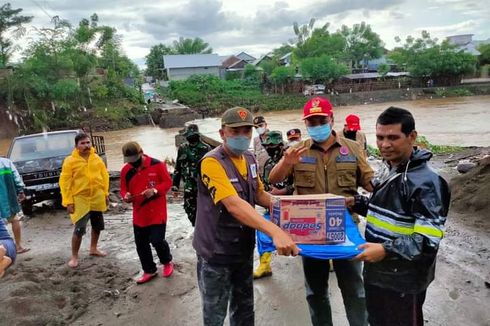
{"x": 188, "y": 156}
{"x": 259, "y": 151}
{"x": 274, "y": 146}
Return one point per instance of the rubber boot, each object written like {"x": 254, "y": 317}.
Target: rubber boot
{"x": 264, "y": 268}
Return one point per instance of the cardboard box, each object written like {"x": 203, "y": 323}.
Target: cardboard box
{"x": 311, "y": 219}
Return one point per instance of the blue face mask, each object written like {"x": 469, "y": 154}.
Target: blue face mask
{"x": 319, "y": 133}
{"x": 238, "y": 144}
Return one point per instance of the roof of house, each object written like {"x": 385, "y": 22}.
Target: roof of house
{"x": 370, "y": 75}
{"x": 287, "y": 55}
{"x": 245, "y": 56}
{"x": 262, "y": 58}
{"x": 230, "y": 61}
{"x": 191, "y": 60}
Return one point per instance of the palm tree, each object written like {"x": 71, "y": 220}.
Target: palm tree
{"x": 191, "y": 46}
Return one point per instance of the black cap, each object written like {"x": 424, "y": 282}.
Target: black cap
{"x": 259, "y": 119}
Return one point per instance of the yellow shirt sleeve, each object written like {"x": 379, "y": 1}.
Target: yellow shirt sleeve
{"x": 215, "y": 179}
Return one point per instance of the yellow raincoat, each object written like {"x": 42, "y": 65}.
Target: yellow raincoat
{"x": 84, "y": 183}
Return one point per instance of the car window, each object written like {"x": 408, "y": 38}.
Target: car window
{"x": 42, "y": 146}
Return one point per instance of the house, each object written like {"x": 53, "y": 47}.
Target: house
{"x": 182, "y": 66}
{"x": 232, "y": 64}
{"x": 466, "y": 43}
{"x": 262, "y": 59}
{"x": 286, "y": 59}
{"x": 246, "y": 57}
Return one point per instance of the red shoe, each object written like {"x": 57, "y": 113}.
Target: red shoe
{"x": 168, "y": 269}
{"x": 146, "y": 278}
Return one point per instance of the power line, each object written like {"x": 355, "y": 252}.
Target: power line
{"x": 42, "y": 9}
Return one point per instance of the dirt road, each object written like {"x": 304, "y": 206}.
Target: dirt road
{"x": 41, "y": 290}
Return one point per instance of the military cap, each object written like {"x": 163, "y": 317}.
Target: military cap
{"x": 273, "y": 138}
{"x": 237, "y": 117}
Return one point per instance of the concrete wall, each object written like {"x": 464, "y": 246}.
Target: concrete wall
{"x": 184, "y": 73}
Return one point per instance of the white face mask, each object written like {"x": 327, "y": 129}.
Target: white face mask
{"x": 293, "y": 142}
{"x": 261, "y": 130}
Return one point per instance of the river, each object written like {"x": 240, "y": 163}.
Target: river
{"x": 463, "y": 121}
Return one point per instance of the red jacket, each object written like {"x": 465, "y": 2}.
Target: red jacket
{"x": 151, "y": 174}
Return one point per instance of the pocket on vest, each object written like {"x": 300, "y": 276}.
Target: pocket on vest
{"x": 228, "y": 239}
{"x": 304, "y": 175}
{"x": 346, "y": 174}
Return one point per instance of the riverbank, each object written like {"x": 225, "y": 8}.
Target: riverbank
{"x": 124, "y": 114}
{"x": 41, "y": 289}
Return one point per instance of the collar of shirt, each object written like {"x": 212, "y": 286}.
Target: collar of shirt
{"x": 316, "y": 146}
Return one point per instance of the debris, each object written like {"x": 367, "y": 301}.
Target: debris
{"x": 464, "y": 166}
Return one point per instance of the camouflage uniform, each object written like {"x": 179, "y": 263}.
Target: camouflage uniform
{"x": 186, "y": 167}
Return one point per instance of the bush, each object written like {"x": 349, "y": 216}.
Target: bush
{"x": 217, "y": 95}
{"x": 453, "y": 92}
{"x": 436, "y": 149}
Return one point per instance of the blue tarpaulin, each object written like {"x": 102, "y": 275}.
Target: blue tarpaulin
{"x": 334, "y": 251}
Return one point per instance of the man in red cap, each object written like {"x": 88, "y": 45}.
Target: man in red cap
{"x": 352, "y": 131}
{"x": 327, "y": 163}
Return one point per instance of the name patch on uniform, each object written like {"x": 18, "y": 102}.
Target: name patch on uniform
{"x": 308, "y": 159}
{"x": 346, "y": 159}
{"x": 253, "y": 169}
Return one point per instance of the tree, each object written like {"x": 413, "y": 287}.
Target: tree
{"x": 322, "y": 42}
{"x": 424, "y": 57}
{"x": 57, "y": 78}
{"x": 484, "y": 54}
{"x": 154, "y": 60}
{"x": 10, "y": 21}
{"x": 383, "y": 69}
{"x": 191, "y": 46}
{"x": 280, "y": 76}
{"x": 362, "y": 44}
{"x": 302, "y": 32}
{"x": 282, "y": 51}
{"x": 322, "y": 69}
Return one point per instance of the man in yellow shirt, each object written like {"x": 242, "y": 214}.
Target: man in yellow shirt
{"x": 224, "y": 239}
{"x": 84, "y": 184}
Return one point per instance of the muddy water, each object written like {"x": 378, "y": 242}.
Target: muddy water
{"x": 463, "y": 121}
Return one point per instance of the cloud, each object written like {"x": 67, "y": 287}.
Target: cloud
{"x": 459, "y": 28}
{"x": 258, "y": 26}
{"x": 194, "y": 18}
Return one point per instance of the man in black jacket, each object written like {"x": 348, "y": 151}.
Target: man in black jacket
{"x": 405, "y": 219}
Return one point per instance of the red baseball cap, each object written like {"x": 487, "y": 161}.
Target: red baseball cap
{"x": 352, "y": 122}
{"x": 317, "y": 106}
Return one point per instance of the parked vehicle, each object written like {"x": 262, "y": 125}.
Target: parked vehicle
{"x": 317, "y": 89}
{"x": 39, "y": 157}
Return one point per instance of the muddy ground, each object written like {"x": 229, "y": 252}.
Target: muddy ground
{"x": 41, "y": 290}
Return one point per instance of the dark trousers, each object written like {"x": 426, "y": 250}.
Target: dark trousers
{"x": 154, "y": 234}
{"x": 349, "y": 279}
{"x": 220, "y": 284}
{"x": 390, "y": 308}
{"x": 190, "y": 205}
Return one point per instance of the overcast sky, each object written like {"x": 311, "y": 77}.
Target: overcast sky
{"x": 256, "y": 27}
